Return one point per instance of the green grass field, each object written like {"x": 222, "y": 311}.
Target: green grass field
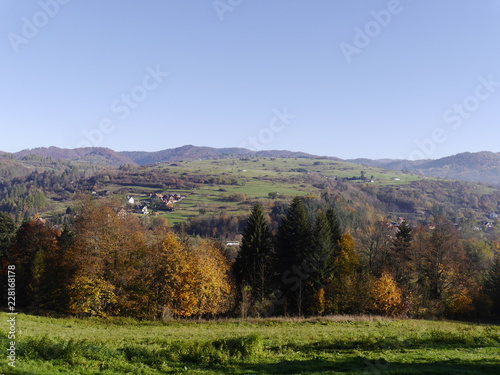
{"x": 333, "y": 345}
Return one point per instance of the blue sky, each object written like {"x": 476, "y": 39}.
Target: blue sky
{"x": 378, "y": 79}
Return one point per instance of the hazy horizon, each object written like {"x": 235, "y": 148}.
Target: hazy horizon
{"x": 188, "y": 145}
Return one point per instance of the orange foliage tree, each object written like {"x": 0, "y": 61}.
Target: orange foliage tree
{"x": 189, "y": 282}
{"x": 386, "y": 295}
{"x": 106, "y": 259}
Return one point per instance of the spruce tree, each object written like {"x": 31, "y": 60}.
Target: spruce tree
{"x": 294, "y": 241}
{"x": 492, "y": 285}
{"x": 7, "y": 232}
{"x": 400, "y": 254}
{"x": 253, "y": 263}
{"x": 319, "y": 264}
{"x": 403, "y": 236}
{"x": 335, "y": 227}
{"x": 321, "y": 255}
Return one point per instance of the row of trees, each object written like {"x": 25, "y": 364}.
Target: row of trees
{"x": 314, "y": 266}
{"x": 109, "y": 262}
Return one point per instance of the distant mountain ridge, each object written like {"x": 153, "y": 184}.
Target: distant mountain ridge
{"x": 481, "y": 166}
{"x": 473, "y": 167}
{"x": 98, "y": 155}
{"x": 190, "y": 152}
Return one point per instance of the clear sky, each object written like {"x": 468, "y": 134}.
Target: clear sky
{"x": 365, "y": 78}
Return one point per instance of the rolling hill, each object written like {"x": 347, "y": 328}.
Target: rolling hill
{"x": 472, "y": 167}
{"x": 483, "y": 167}
{"x": 95, "y": 155}
{"x": 190, "y": 153}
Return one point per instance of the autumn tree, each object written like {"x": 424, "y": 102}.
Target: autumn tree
{"x": 346, "y": 293}
{"x": 171, "y": 278}
{"x": 105, "y": 259}
{"x": 187, "y": 282}
{"x": 35, "y": 255}
{"x": 387, "y": 296}
{"x": 212, "y": 286}
{"x": 443, "y": 270}
{"x": 374, "y": 246}
{"x": 254, "y": 261}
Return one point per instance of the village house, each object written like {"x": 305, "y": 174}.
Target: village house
{"x": 141, "y": 209}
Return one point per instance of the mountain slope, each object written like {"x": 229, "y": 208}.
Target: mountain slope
{"x": 473, "y": 167}
{"x": 190, "y": 152}
{"x": 94, "y": 155}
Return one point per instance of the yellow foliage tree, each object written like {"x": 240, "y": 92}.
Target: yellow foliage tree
{"x": 91, "y": 297}
{"x": 345, "y": 293}
{"x": 173, "y": 278}
{"x": 212, "y": 280}
{"x": 386, "y": 295}
{"x": 318, "y": 303}
{"x": 190, "y": 282}
{"x": 347, "y": 260}
{"x": 459, "y": 302}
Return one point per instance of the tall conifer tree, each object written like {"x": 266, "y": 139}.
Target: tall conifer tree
{"x": 294, "y": 240}
{"x": 253, "y": 263}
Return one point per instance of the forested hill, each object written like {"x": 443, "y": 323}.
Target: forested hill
{"x": 473, "y": 167}
{"x": 95, "y": 155}
{"x": 190, "y": 152}
{"x": 109, "y": 158}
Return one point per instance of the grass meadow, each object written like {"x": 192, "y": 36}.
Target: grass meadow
{"x": 328, "y": 345}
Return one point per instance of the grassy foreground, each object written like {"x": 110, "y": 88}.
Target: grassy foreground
{"x": 335, "y": 345}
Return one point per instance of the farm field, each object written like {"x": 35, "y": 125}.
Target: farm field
{"x": 253, "y": 178}
{"x": 329, "y": 345}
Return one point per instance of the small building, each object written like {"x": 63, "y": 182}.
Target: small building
{"x": 141, "y": 209}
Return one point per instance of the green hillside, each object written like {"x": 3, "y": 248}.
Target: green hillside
{"x": 230, "y": 186}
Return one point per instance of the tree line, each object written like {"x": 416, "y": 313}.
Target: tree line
{"x": 313, "y": 265}
{"x": 107, "y": 263}
{"x": 298, "y": 259}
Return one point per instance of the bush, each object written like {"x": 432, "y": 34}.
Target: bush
{"x": 70, "y": 351}
{"x": 241, "y": 347}
{"x": 237, "y": 197}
